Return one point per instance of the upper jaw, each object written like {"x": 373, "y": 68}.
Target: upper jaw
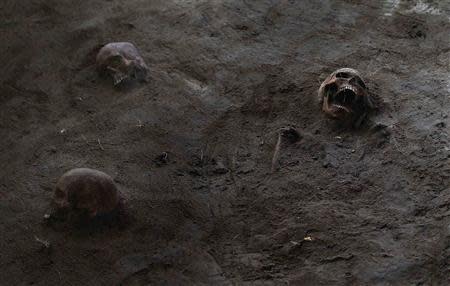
{"x": 346, "y": 94}
{"x": 347, "y": 87}
{"x": 119, "y": 78}
{"x": 117, "y": 75}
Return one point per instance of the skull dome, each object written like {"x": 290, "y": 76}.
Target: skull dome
{"x": 85, "y": 192}
{"x": 122, "y": 62}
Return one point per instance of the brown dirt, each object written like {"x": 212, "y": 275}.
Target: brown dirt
{"x": 339, "y": 207}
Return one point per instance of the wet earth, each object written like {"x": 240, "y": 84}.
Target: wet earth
{"x": 230, "y": 172}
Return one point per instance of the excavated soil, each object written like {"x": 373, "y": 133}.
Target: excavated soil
{"x": 192, "y": 150}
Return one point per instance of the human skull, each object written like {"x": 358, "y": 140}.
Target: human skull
{"x": 344, "y": 95}
{"x": 122, "y": 62}
{"x": 85, "y": 193}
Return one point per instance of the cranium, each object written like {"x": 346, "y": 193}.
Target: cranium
{"x": 344, "y": 95}
{"x": 85, "y": 194}
{"x": 122, "y": 62}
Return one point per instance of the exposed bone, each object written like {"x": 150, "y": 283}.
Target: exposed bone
{"x": 44, "y": 243}
{"x": 289, "y": 134}
{"x": 85, "y": 192}
{"x": 122, "y": 62}
{"x": 344, "y": 95}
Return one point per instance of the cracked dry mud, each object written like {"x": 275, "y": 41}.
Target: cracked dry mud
{"x": 369, "y": 206}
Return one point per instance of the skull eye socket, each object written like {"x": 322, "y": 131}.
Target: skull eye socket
{"x": 343, "y": 75}
{"x": 330, "y": 88}
{"x": 115, "y": 61}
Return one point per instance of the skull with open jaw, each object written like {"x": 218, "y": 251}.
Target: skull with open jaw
{"x": 344, "y": 96}
{"x": 122, "y": 62}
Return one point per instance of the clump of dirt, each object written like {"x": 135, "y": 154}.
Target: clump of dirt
{"x": 194, "y": 151}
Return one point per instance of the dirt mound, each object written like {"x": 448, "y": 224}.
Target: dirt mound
{"x": 192, "y": 150}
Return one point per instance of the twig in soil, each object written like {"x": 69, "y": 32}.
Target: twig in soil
{"x": 59, "y": 274}
{"x": 45, "y": 243}
{"x": 100, "y": 144}
{"x": 60, "y": 278}
{"x": 276, "y": 153}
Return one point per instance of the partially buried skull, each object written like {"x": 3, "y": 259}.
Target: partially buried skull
{"x": 122, "y": 62}
{"x": 344, "y": 96}
{"x": 85, "y": 194}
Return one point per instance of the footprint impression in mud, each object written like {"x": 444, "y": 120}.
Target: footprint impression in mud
{"x": 85, "y": 195}
{"x": 122, "y": 62}
{"x": 344, "y": 96}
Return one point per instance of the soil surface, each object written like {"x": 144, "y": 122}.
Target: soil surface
{"x": 214, "y": 198}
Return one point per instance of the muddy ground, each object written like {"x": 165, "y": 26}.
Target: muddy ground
{"x": 339, "y": 207}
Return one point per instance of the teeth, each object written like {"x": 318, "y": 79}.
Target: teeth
{"x": 347, "y": 87}
{"x": 342, "y": 107}
{"x": 344, "y": 88}
{"x": 119, "y": 78}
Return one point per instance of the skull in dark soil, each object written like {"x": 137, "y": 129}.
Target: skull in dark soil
{"x": 122, "y": 62}
{"x": 84, "y": 195}
{"x": 344, "y": 95}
